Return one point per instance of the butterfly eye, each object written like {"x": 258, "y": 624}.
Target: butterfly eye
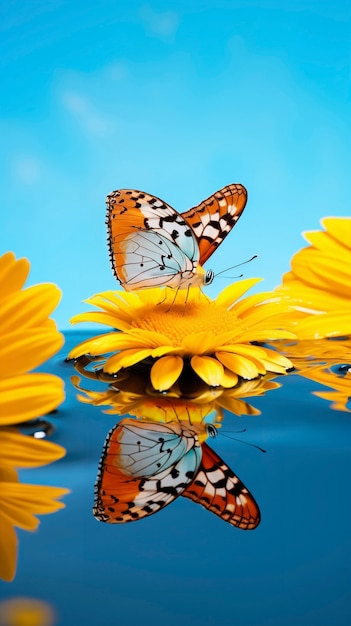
{"x": 209, "y": 276}
{"x": 211, "y": 430}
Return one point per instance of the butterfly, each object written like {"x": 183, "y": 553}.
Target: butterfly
{"x": 152, "y": 245}
{"x": 147, "y": 465}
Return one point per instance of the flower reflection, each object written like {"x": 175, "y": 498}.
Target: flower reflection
{"x": 132, "y": 393}
{"x": 132, "y": 385}
{"x": 325, "y": 361}
{"x": 147, "y": 465}
{"x": 212, "y": 339}
{"x": 28, "y": 338}
{"x": 339, "y": 381}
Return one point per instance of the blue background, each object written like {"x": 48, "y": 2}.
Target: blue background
{"x": 177, "y": 99}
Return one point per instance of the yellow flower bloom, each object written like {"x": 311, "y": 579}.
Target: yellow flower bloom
{"x": 175, "y": 332}
{"x": 27, "y": 338}
{"x": 320, "y": 282}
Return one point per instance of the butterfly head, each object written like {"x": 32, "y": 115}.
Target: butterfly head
{"x": 200, "y": 277}
{"x": 211, "y": 430}
{"x": 209, "y": 276}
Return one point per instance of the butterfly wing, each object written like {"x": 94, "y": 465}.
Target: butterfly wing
{"x": 144, "y": 467}
{"x": 150, "y": 244}
{"x": 213, "y": 219}
{"x": 219, "y": 490}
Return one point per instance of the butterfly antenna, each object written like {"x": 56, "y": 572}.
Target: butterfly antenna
{"x": 246, "y": 443}
{"x": 238, "y": 265}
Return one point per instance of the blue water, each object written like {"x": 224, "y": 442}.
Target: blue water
{"x": 185, "y": 565}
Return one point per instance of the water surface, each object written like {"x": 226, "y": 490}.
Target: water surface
{"x": 184, "y": 565}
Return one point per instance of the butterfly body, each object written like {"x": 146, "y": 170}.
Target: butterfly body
{"x": 153, "y": 245}
{"x": 147, "y": 465}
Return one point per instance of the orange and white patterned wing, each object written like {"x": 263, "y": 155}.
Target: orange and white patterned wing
{"x": 150, "y": 244}
{"x": 213, "y": 219}
{"x": 144, "y": 467}
{"x": 219, "y": 490}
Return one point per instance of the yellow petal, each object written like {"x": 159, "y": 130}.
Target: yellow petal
{"x": 112, "y": 342}
{"x": 199, "y": 343}
{"x": 28, "y": 396}
{"x": 38, "y": 499}
{"x": 126, "y": 358}
{"x": 24, "y": 350}
{"x": 238, "y": 364}
{"x": 233, "y": 292}
{"x": 266, "y": 335}
{"x": 318, "y": 269}
{"x": 324, "y": 241}
{"x": 22, "y": 451}
{"x": 28, "y": 308}
{"x": 208, "y": 368}
{"x": 165, "y": 371}
{"x": 8, "y": 550}
{"x": 98, "y": 317}
{"x": 333, "y": 324}
{"x": 339, "y": 228}
{"x": 229, "y": 379}
{"x": 13, "y": 274}
{"x": 13, "y": 514}
{"x": 247, "y": 305}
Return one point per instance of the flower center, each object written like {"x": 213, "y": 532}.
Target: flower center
{"x": 179, "y": 321}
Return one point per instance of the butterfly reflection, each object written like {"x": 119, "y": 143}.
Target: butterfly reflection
{"x": 147, "y": 465}
{"x": 152, "y": 245}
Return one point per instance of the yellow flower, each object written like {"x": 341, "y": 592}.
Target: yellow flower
{"x": 320, "y": 282}
{"x": 28, "y": 337}
{"x": 186, "y": 331}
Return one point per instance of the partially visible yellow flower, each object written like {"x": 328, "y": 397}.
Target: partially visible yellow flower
{"x": 28, "y": 337}
{"x": 214, "y": 338}
{"x": 26, "y": 612}
{"x": 320, "y": 282}
{"x": 319, "y": 287}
